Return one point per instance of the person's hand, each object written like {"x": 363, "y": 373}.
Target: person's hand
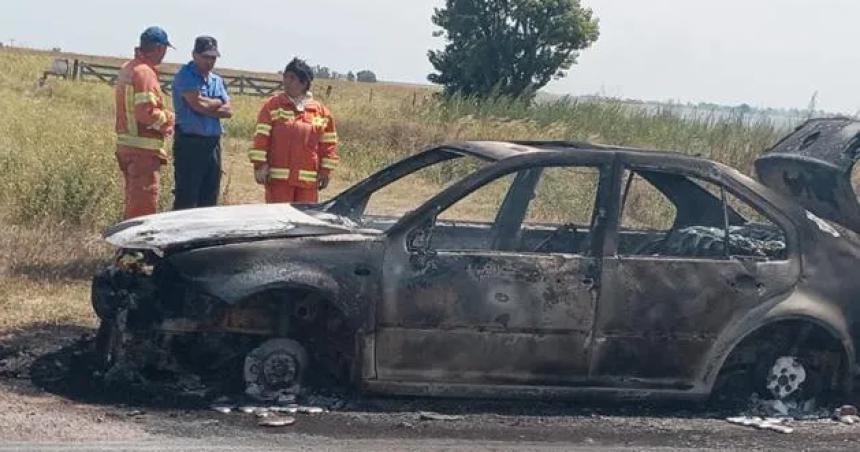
{"x": 261, "y": 174}
{"x": 323, "y": 181}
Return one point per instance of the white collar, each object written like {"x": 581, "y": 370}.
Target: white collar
{"x": 299, "y": 102}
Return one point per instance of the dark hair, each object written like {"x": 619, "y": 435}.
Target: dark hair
{"x": 149, "y": 46}
{"x": 302, "y": 71}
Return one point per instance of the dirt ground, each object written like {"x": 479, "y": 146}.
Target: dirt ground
{"x": 48, "y": 401}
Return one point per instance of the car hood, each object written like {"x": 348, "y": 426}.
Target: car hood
{"x": 183, "y": 228}
{"x": 813, "y": 166}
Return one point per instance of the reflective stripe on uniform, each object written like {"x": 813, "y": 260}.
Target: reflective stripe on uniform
{"x": 264, "y": 129}
{"x": 162, "y": 119}
{"x": 279, "y": 173}
{"x": 257, "y": 155}
{"x": 154, "y": 144}
{"x": 307, "y": 176}
{"x": 147, "y": 97}
{"x": 280, "y": 113}
{"x": 319, "y": 121}
{"x": 329, "y": 138}
{"x": 329, "y": 163}
{"x": 130, "y": 120}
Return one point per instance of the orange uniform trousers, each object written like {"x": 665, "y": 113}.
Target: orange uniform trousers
{"x": 140, "y": 168}
{"x": 283, "y": 192}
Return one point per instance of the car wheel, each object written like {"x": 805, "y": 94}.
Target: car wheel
{"x": 793, "y": 377}
{"x": 277, "y": 367}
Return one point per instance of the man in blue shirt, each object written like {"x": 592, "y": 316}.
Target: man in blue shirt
{"x": 200, "y": 100}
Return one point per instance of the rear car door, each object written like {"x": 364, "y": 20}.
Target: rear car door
{"x": 671, "y": 286}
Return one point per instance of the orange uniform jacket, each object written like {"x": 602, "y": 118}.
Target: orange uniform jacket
{"x": 297, "y": 145}
{"x": 141, "y": 119}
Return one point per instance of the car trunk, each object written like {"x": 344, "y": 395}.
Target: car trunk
{"x": 814, "y": 166}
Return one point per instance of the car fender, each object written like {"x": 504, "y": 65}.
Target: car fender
{"x": 797, "y": 306}
{"x": 233, "y": 287}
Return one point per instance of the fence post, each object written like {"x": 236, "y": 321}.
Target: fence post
{"x": 414, "y": 98}
{"x": 241, "y": 84}
{"x": 75, "y": 69}
{"x": 370, "y": 99}
{"x": 328, "y": 92}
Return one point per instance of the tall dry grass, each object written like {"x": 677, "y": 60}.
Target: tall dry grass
{"x": 56, "y": 147}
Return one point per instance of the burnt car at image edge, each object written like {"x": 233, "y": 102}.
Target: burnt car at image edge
{"x": 749, "y": 283}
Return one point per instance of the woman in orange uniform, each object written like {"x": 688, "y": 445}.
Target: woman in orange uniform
{"x": 295, "y": 144}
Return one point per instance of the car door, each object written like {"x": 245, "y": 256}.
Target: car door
{"x": 503, "y": 292}
{"x": 670, "y": 287}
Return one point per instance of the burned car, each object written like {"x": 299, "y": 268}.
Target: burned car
{"x": 496, "y": 269}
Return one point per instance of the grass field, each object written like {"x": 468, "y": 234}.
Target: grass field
{"x": 60, "y": 185}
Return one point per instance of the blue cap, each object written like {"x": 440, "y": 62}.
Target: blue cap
{"x": 155, "y": 35}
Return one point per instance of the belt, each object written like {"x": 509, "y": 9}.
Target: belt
{"x": 180, "y": 133}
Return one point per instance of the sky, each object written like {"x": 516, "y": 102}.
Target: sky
{"x": 765, "y": 53}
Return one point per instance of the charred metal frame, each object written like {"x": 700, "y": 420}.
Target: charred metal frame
{"x": 459, "y": 322}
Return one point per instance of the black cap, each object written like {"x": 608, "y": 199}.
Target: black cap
{"x": 206, "y": 45}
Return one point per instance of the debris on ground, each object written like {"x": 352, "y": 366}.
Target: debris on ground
{"x": 289, "y": 409}
{"x": 277, "y": 421}
{"x": 846, "y": 414}
{"x": 310, "y": 410}
{"x": 223, "y": 409}
{"x": 276, "y": 414}
{"x": 776, "y": 414}
{"x": 795, "y": 409}
{"x": 846, "y": 410}
{"x": 767, "y": 423}
{"x": 430, "y": 416}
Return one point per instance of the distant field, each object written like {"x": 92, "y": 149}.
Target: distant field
{"x": 60, "y": 184}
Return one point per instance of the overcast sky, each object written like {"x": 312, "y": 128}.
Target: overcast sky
{"x": 773, "y": 53}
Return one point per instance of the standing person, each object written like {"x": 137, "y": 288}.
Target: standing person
{"x": 201, "y": 100}
{"x": 142, "y": 122}
{"x": 295, "y": 144}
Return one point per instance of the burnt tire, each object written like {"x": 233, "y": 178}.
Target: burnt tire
{"x": 737, "y": 383}
{"x": 277, "y": 367}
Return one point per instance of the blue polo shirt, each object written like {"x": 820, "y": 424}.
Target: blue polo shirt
{"x": 189, "y": 121}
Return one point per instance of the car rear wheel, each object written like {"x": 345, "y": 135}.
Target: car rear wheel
{"x": 789, "y": 361}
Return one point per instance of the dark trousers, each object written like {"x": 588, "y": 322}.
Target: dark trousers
{"x": 197, "y": 170}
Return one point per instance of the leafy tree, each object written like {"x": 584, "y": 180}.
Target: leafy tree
{"x": 350, "y": 76}
{"x": 508, "y": 47}
{"x": 366, "y": 76}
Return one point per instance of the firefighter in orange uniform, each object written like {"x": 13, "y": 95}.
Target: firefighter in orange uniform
{"x": 295, "y": 144}
{"x": 142, "y": 122}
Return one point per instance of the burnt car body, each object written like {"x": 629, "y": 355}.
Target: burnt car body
{"x": 745, "y": 283}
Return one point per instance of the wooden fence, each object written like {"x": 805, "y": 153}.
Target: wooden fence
{"x": 84, "y": 71}
{"x": 237, "y": 84}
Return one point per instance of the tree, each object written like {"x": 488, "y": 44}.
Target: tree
{"x": 350, "y": 76}
{"x": 321, "y": 72}
{"x": 366, "y": 76}
{"x": 508, "y": 47}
